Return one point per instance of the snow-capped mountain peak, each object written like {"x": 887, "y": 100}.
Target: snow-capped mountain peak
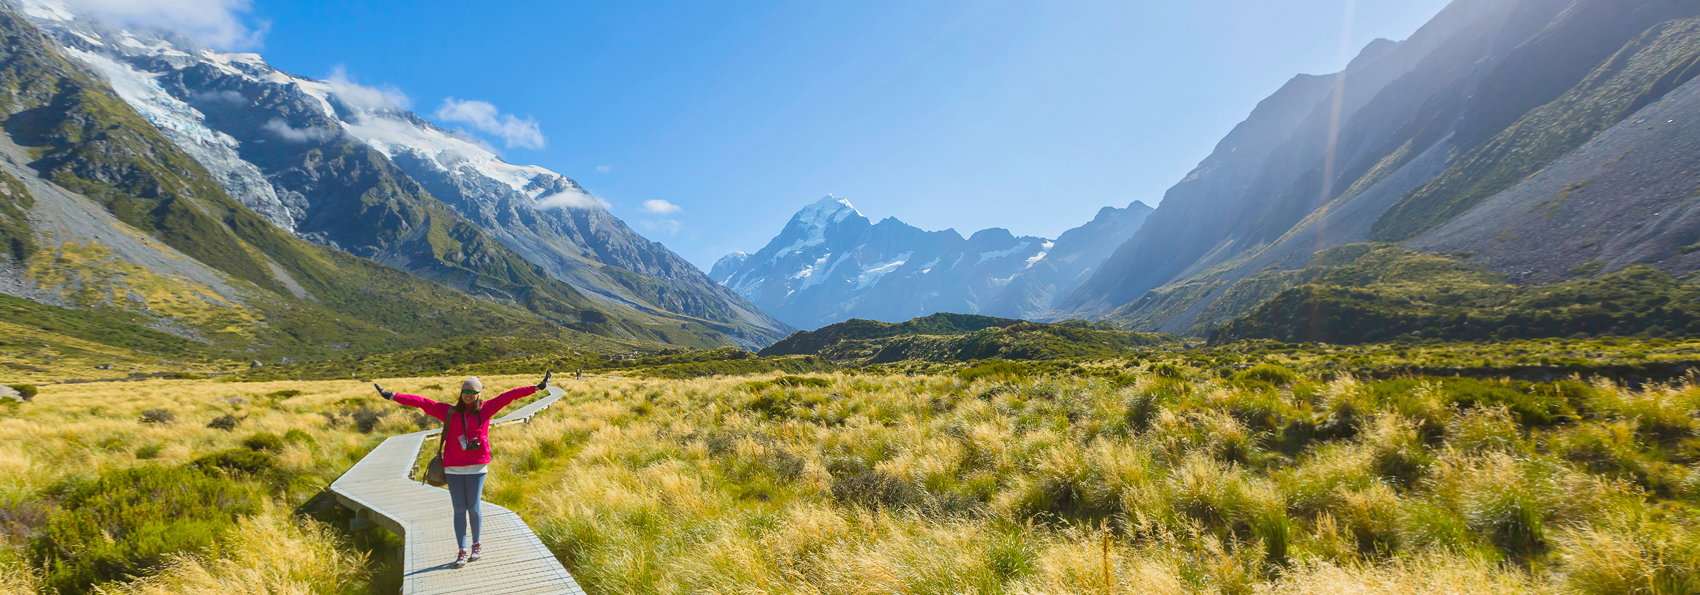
{"x": 831, "y": 262}
{"x": 826, "y": 211}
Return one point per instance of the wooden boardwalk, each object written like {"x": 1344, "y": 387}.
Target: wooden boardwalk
{"x": 380, "y": 491}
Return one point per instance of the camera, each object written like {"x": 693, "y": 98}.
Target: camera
{"x": 470, "y": 443}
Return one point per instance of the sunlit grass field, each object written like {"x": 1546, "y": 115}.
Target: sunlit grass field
{"x": 1159, "y": 479}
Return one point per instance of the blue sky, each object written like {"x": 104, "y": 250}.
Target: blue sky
{"x": 950, "y": 114}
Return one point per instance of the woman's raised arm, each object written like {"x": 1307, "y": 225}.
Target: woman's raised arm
{"x": 430, "y": 407}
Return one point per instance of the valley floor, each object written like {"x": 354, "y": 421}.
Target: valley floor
{"x": 1161, "y": 477}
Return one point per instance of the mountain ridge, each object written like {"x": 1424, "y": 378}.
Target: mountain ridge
{"x": 341, "y": 165}
{"x": 832, "y": 263}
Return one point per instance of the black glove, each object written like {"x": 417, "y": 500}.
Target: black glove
{"x": 544, "y": 385}
{"x": 387, "y": 394}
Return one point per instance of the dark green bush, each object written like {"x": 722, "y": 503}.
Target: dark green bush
{"x": 150, "y": 451}
{"x": 124, "y": 523}
{"x": 236, "y": 461}
{"x": 284, "y": 394}
{"x": 264, "y": 441}
{"x": 158, "y": 416}
{"x": 26, "y": 391}
{"x": 226, "y": 422}
{"x": 366, "y": 419}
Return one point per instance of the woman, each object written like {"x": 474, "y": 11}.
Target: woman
{"x": 466, "y": 449}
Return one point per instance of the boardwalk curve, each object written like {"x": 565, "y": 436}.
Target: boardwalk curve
{"x": 380, "y": 491}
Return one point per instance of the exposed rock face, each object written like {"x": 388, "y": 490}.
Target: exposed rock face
{"x": 1425, "y": 142}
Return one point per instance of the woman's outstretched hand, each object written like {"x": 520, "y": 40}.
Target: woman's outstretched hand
{"x": 387, "y": 394}
{"x": 544, "y": 385}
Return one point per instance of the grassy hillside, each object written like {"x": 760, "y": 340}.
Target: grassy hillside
{"x": 943, "y": 323}
{"x": 1389, "y": 293}
{"x": 962, "y": 337}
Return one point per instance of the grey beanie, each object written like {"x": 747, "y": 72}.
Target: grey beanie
{"x": 472, "y": 384}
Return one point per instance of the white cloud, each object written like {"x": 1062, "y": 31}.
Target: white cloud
{"x": 483, "y": 116}
{"x": 571, "y": 199}
{"x": 358, "y": 96}
{"x": 660, "y": 207}
{"x": 296, "y": 135}
{"x": 671, "y": 226}
{"x": 221, "y": 24}
{"x": 602, "y": 169}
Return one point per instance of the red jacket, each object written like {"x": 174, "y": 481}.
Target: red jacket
{"x": 476, "y": 424}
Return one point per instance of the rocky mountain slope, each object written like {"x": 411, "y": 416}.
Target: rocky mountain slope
{"x": 1474, "y": 133}
{"x": 348, "y": 167}
{"x": 830, "y": 263}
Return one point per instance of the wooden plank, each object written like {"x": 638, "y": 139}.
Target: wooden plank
{"x": 516, "y": 560}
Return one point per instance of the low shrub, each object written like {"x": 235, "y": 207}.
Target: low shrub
{"x": 366, "y": 419}
{"x": 236, "y": 461}
{"x": 264, "y": 441}
{"x": 125, "y": 522}
{"x": 150, "y": 451}
{"x": 225, "y": 422}
{"x": 158, "y": 416}
{"x": 25, "y": 391}
{"x": 296, "y": 435}
{"x": 1272, "y": 374}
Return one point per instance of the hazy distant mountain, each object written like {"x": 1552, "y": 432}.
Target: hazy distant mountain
{"x": 1479, "y": 133}
{"x": 1072, "y": 259}
{"x": 347, "y": 166}
{"x": 727, "y": 265}
{"x": 830, "y": 263}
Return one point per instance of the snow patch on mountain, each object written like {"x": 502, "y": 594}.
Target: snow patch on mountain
{"x": 871, "y": 274}
{"x": 186, "y": 127}
{"x": 1044, "y": 249}
{"x": 985, "y": 256}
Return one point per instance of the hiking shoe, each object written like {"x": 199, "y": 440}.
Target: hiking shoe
{"x": 459, "y": 560}
{"x": 477, "y": 552}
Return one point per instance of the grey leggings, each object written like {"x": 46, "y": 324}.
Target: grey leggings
{"x": 465, "y": 491}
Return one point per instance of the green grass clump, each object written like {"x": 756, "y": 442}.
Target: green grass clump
{"x": 265, "y": 441}
{"x": 124, "y": 522}
{"x": 296, "y": 435}
{"x": 236, "y": 461}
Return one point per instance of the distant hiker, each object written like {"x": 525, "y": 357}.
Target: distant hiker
{"x": 466, "y": 450}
